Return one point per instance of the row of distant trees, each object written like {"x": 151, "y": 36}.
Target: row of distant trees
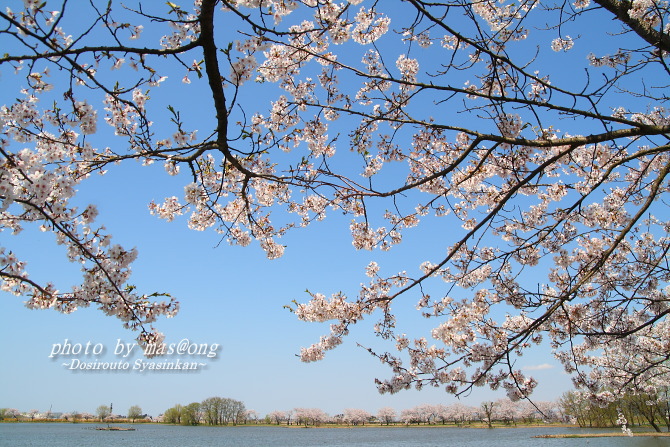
{"x": 502, "y": 410}
{"x": 211, "y": 411}
{"x": 226, "y": 411}
{"x": 573, "y": 407}
{"x": 103, "y": 413}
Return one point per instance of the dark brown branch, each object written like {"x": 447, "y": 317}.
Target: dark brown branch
{"x": 620, "y": 9}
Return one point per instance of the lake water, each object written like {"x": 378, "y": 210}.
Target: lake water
{"x": 68, "y": 435}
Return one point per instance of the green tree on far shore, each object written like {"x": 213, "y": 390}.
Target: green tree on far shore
{"x": 103, "y": 412}
{"x": 134, "y": 412}
{"x": 191, "y": 414}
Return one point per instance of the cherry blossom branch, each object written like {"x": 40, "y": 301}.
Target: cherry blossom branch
{"x": 622, "y": 11}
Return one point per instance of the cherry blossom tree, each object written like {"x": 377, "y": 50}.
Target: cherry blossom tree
{"x": 85, "y": 416}
{"x": 443, "y": 413}
{"x": 530, "y": 137}
{"x": 507, "y": 410}
{"x": 356, "y": 416}
{"x": 277, "y": 416}
{"x": 411, "y": 416}
{"x": 460, "y": 413}
{"x": 251, "y": 415}
{"x": 386, "y": 415}
{"x": 528, "y": 411}
{"x": 289, "y": 415}
{"x": 489, "y": 412}
{"x": 313, "y": 416}
{"x": 429, "y": 412}
{"x": 10, "y": 413}
{"x": 548, "y": 410}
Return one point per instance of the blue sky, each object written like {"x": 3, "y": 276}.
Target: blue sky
{"x": 230, "y": 296}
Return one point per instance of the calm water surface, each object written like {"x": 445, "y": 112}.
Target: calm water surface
{"x": 67, "y": 435}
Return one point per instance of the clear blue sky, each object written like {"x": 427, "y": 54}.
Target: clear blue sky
{"x": 230, "y": 296}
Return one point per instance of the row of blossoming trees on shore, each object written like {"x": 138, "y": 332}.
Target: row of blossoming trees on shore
{"x": 224, "y": 411}
{"x": 503, "y": 410}
{"x": 573, "y": 407}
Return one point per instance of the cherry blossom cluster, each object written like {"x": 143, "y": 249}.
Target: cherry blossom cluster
{"x": 492, "y": 176}
{"x": 45, "y": 156}
{"x": 186, "y": 27}
{"x": 36, "y": 189}
{"x": 623, "y": 423}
